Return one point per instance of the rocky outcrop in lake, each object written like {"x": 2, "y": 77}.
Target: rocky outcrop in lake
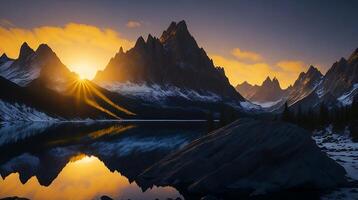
{"x": 248, "y": 157}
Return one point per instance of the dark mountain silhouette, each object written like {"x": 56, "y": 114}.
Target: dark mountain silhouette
{"x": 173, "y": 60}
{"x": 4, "y": 59}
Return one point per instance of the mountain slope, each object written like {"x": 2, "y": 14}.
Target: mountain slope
{"x": 172, "y": 66}
{"x": 306, "y": 83}
{"x": 37, "y": 103}
{"x": 337, "y": 87}
{"x": 40, "y": 64}
{"x": 246, "y": 89}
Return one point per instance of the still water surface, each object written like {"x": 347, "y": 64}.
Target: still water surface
{"x": 87, "y": 160}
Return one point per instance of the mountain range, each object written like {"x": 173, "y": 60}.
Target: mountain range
{"x": 169, "y": 77}
{"x": 268, "y": 92}
{"x": 336, "y": 88}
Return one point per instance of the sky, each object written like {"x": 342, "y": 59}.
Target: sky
{"x": 251, "y": 39}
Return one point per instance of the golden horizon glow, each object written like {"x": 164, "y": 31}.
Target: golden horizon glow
{"x": 84, "y": 177}
{"x": 238, "y": 71}
{"x": 83, "y": 48}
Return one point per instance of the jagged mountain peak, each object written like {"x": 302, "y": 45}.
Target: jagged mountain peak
{"x": 25, "y": 50}
{"x": 178, "y": 33}
{"x": 269, "y": 91}
{"x": 45, "y": 50}
{"x": 245, "y": 83}
{"x": 354, "y": 56}
{"x": 4, "y": 56}
{"x": 175, "y": 28}
{"x": 121, "y": 50}
{"x": 174, "y": 60}
{"x": 268, "y": 79}
{"x": 268, "y": 82}
{"x": 313, "y": 70}
{"x": 150, "y": 38}
{"x": 140, "y": 43}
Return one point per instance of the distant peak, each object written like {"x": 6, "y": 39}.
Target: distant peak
{"x": 25, "y": 50}
{"x": 4, "y": 57}
{"x": 140, "y": 42}
{"x": 174, "y": 29}
{"x": 313, "y": 70}
{"x": 267, "y": 79}
{"x": 182, "y": 25}
{"x": 121, "y": 50}
{"x": 44, "y": 50}
{"x": 245, "y": 83}
{"x": 150, "y": 38}
{"x": 43, "y": 47}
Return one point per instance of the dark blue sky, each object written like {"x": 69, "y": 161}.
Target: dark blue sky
{"x": 316, "y": 32}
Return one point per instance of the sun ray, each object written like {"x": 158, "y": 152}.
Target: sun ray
{"x": 82, "y": 90}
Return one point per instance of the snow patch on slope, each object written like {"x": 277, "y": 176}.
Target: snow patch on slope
{"x": 20, "y": 112}
{"x": 267, "y": 104}
{"x": 344, "y": 151}
{"x": 347, "y": 98}
{"x": 340, "y": 148}
{"x": 21, "y": 75}
{"x": 248, "y": 106}
{"x": 157, "y": 93}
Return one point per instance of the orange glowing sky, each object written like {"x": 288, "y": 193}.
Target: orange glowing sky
{"x": 83, "y": 48}
{"x": 87, "y": 48}
{"x": 250, "y": 39}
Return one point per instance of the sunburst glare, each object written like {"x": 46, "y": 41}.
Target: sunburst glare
{"x": 83, "y": 90}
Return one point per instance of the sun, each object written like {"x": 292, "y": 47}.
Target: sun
{"x": 84, "y": 70}
{"x": 81, "y": 77}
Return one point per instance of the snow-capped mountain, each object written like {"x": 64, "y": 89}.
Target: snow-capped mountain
{"x": 40, "y": 64}
{"x": 37, "y": 86}
{"x": 306, "y": 83}
{"x": 337, "y": 87}
{"x": 172, "y": 66}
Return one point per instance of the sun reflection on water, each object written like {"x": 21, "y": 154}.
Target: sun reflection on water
{"x": 84, "y": 177}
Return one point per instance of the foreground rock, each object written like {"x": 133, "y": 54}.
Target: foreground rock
{"x": 247, "y": 157}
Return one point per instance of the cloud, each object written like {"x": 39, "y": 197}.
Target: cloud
{"x": 83, "y": 48}
{"x": 238, "y": 71}
{"x": 246, "y": 55}
{"x": 133, "y": 24}
{"x": 294, "y": 66}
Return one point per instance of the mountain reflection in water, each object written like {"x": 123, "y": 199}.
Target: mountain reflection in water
{"x": 87, "y": 160}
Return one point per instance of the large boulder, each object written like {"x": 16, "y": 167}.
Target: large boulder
{"x": 247, "y": 157}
